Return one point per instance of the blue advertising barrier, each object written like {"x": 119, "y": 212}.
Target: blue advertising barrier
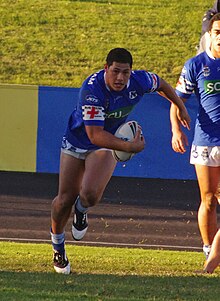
{"x": 157, "y": 160}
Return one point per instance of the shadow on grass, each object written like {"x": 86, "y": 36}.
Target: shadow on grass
{"x": 25, "y": 286}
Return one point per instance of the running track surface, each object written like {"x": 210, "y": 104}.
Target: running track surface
{"x": 147, "y": 213}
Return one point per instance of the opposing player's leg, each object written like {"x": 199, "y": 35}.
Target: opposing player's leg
{"x": 99, "y": 167}
{"x": 71, "y": 173}
{"x": 208, "y": 178}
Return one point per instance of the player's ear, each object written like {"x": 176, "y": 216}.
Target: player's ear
{"x": 105, "y": 67}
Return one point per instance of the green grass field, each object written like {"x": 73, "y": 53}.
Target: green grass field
{"x": 100, "y": 274}
{"x": 59, "y": 43}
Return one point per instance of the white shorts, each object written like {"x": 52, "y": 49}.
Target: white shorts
{"x": 69, "y": 149}
{"x": 205, "y": 155}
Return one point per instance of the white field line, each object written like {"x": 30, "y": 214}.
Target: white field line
{"x": 148, "y": 246}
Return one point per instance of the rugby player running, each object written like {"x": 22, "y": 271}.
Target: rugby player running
{"x": 86, "y": 164}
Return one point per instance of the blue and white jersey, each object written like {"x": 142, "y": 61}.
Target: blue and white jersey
{"x": 201, "y": 75}
{"x": 100, "y": 106}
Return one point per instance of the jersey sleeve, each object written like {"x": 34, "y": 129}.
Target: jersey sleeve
{"x": 149, "y": 81}
{"x": 93, "y": 111}
{"x": 154, "y": 80}
{"x": 186, "y": 83}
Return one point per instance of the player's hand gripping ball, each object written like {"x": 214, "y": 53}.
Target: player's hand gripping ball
{"x": 126, "y": 131}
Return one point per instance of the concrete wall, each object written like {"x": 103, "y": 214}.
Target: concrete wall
{"x": 33, "y": 119}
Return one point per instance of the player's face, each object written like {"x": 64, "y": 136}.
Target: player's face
{"x": 117, "y": 75}
{"x": 215, "y": 39}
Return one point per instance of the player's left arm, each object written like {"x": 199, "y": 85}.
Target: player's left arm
{"x": 169, "y": 93}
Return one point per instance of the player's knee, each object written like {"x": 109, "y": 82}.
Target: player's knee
{"x": 210, "y": 201}
{"x": 90, "y": 198}
{"x": 62, "y": 202}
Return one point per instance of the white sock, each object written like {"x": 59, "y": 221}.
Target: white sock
{"x": 80, "y": 207}
{"x": 207, "y": 250}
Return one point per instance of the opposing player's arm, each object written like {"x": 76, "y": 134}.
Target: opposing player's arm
{"x": 102, "y": 138}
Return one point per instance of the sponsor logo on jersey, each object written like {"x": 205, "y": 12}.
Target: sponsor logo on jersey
{"x": 212, "y": 86}
{"x": 92, "y": 78}
{"x": 206, "y": 71}
{"x": 91, "y": 98}
{"x": 119, "y": 113}
{"x": 132, "y": 94}
{"x": 93, "y": 113}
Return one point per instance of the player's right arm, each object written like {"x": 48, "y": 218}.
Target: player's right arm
{"x": 98, "y": 136}
{"x": 184, "y": 89}
{"x": 179, "y": 139}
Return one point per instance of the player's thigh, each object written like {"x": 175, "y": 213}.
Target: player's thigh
{"x": 208, "y": 178}
{"x": 70, "y": 176}
{"x": 99, "y": 167}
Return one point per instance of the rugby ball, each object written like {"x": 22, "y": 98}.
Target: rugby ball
{"x": 126, "y": 132}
